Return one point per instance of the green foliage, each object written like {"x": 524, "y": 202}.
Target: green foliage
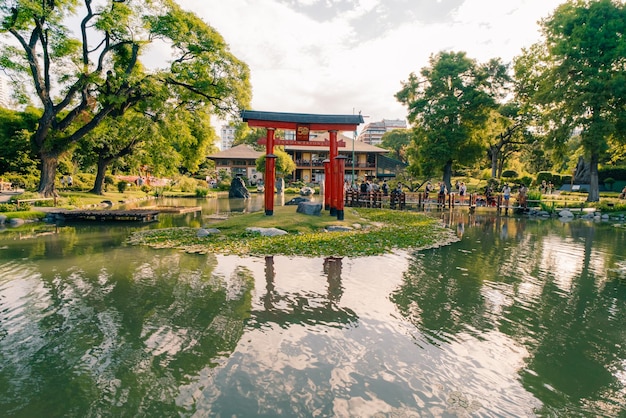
{"x": 544, "y": 176}
{"x": 449, "y": 102}
{"x": 397, "y": 141}
{"x": 284, "y": 164}
{"x": 27, "y": 181}
{"x": 566, "y": 179}
{"x": 383, "y": 231}
{"x": 526, "y": 180}
{"x": 617, "y": 173}
{"x": 202, "y": 192}
{"x": 223, "y": 184}
{"x": 509, "y": 174}
{"x": 533, "y": 195}
{"x": 200, "y": 77}
{"x": 186, "y": 184}
{"x": 15, "y": 129}
{"x": 121, "y": 186}
{"x": 574, "y": 79}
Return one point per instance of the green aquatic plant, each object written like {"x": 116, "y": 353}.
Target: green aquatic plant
{"x": 374, "y": 232}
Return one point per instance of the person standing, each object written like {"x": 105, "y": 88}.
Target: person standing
{"x": 442, "y": 194}
{"x": 462, "y": 192}
{"x": 385, "y": 188}
{"x": 506, "y": 194}
{"x": 522, "y": 196}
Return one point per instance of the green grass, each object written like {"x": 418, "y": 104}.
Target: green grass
{"x": 379, "y": 231}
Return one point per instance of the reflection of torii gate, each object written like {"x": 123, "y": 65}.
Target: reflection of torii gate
{"x": 302, "y": 124}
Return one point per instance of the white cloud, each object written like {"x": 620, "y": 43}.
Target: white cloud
{"x": 334, "y": 62}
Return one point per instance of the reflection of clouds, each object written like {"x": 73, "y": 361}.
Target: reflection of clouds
{"x": 564, "y": 260}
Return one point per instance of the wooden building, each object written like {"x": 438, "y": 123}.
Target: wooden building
{"x": 369, "y": 161}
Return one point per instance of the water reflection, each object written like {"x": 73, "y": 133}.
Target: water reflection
{"x": 521, "y": 317}
{"x": 303, "y": 306}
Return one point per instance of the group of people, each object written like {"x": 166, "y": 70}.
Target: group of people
{"x": 368, "y": 186}
{"x": 67, "y": 181}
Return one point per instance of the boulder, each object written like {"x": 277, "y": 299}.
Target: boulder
{"x": 338, "y": 228}
{"x": 17, "y": 222}
{"x": 307, "y": 191}
{"x": 204, "y": 232}
{"x": 3, "y": 219}
{"x": 566, "y": 214}
{"x": 309, "y": 208}
{"x": 296, "y": 201}
{"x": 238, "y": 189}
{"x": 266, "y": 232}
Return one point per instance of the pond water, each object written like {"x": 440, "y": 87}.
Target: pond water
{"x": 521, "y": 317}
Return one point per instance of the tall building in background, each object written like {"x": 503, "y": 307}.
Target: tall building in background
{"x": 5, "y": 93}
{"x": 228, "y": 136}
{"x": 373, "y": 132}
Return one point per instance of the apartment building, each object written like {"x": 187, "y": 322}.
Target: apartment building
{"x": 373, "y": 132}
{"x": 227, "y": 136}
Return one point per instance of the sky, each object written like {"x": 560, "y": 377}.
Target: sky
{"x": 351, "y": 56}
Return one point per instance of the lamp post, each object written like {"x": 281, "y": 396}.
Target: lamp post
{"x": 353, "y": 154}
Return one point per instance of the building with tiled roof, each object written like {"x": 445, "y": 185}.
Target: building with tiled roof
{"x": 369, "y": 161}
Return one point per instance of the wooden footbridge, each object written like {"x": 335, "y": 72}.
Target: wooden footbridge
{"x": 403, "y": 200}
{"x": 136, "y": 215}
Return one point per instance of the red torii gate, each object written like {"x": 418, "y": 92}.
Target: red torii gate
{"x": 303, "y": 123}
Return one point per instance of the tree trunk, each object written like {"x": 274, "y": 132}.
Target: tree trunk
{"x": 447, "y": 175}
{"x": 98, "y": 185}
{"x": 494, "y": 161}
{"x": 594, "y": 190}
{"x": 49, "y": 164}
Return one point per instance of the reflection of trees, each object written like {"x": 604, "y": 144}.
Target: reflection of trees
{"x": 121, "y": 335}
{"x": 303, "y": 307}
{"x": 574, "y": 336}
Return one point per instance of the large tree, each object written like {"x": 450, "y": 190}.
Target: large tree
{"x": 84, "y": 76}
{"x": 575, "y": 79}
{"x": 398, "y": 142}
{"x": 448, "y": 104}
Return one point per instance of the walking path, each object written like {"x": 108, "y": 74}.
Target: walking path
{"x": 5, "y": 196}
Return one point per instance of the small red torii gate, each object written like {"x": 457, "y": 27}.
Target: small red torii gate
{"x": 302, "y": 124}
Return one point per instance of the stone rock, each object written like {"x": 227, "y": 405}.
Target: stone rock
{"x": 307, "y": 191}
{"x": 205, "y": 232}
{"x": 605, "y": 217}
{"x": 309, "y": 208}
{"x": 17, "y": 221}
{"x": 296, "y": 201}
{"x": 582, "y": 175}
{"x": 338, "y": 228}
{"x": 266, "y": 232}
{"x": 543, "y": 213}
{"x": 3, "y": 219}
{"x": 566, "y": 214}
{"x": 106, "y": 203}
{"x": 238, "y": 189}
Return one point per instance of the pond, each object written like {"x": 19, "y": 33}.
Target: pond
{"x": 521, "y": 317}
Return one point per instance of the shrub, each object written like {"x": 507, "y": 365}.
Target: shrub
{"x": 121, "y": 186}
{"x": 526, "y": 180}
{"x": 202, "y": 192}
{"x": 187, "y": 184}
{"x": 566, "y": 179}
{"x": 509, "y": 174}
{"x": 544, "y": 176}
{"x": 223, "y": 185}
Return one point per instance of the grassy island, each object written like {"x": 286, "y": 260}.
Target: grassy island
{"x": 373, "y": 232}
